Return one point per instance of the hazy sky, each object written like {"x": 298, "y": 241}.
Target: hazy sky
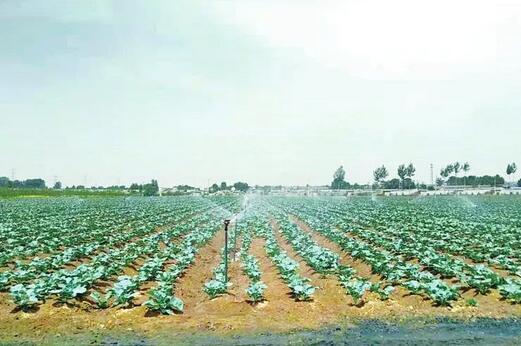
{"x": 268, "y": 92}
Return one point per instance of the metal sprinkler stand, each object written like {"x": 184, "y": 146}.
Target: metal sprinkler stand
{"x": 226, "y": 223}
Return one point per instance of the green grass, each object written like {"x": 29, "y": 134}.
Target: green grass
{"x": 38, "y": 193}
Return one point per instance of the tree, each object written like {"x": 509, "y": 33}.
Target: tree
{"x": 392, "y": 184}
{"x": 402, "y": 172}
{"x": 4, "y": 182}
{"x": 380, "y": 174}
{"x": 151, "y": 189}
{"x": 466, "y": 168}
{"x": 338, "y": 179}
{"x": 440, "y": 182}
{"x": 224, "y": 186}
{"x": 214, "y": 188}
{"x": 410, "y": 170}
{"x": 449, "y": 169}
{"x": 519, "y": 183}
{"x": 240, "y": 186}
{"x": 456, "y": 166}
{"x": 511, "y": 168}
{"x": 36, "y": 183}
{"x": 135, "y": 187}
{"x": 406, "y": 172}
{"x": 57, "y": 185}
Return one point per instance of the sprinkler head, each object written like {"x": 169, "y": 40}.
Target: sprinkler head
{"x": 226, "y": 222}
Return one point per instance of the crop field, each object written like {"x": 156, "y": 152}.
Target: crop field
{"x": 152, "y": 264}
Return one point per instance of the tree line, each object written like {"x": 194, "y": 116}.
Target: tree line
{"x": 449, "y": 175}
{"x": 238, "y": 186}
{"x": 149, "y": 189}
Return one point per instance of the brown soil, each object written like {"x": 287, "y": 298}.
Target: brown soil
{"x": 232, "y": 312}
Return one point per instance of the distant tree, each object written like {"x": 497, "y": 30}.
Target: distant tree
{"x": 380, "y": 174}
{"x": 35, "y": 183}
{"x": 224, "y": 186}
{"x": 440, "y": 182}
{"x": 57, "y": 185}
{"x": 214, "y": 188}
{"x": 410, "y": 170}
{"x": 392, "y": 184}
{"x": 338, "y": 179}
{"x": 4, "y": 182}
{"x": 511, "y": 168}
{"x": 406, "y": 172}
{"x": 185, "y": 188}
{"x": 134, "y": 187}
{"x": 519, "y": 183}
{"x": 240, "y": 186}
{"x": 151, "y": 189}
{"x": 466, "y": 168}
{"x": 456, "y": 166}
{"x": 449, "y": 169}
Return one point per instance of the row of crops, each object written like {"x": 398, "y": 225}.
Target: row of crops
{"x": 64, "y": 249}
{"x": 424, "y": 244}
{"x": 80, "y": 250}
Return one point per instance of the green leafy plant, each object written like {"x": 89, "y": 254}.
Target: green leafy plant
{"x": 161, "y": 300}
{"x": 256, "y": 291}
{"x": 511, "y": 291}
{"x": 215, "y": 288}
{"x": 357, "y": 288}
{"x": 24, "y": 297}
{"x": 101, "y": 300}
{"x": 472, "y": 302}
{"x": 301, "y": 290}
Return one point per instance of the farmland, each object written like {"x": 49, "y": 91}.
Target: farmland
{"x": 152, "y": 264}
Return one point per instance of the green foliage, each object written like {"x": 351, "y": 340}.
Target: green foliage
{"x": 302, "y": 291}
{"x": 392, "y": 184}
{"x": 471, "y": 302}
{"x": 151, "y": 189}
{"x": 380, "y": 174}
{"x": 160, "y": 299}
{"x": 24, "y": 297}
{"x": 357, "y": 288}
{"x": 240, "y": 186}
{"x": 511, "y": 291}
{"x": 215, "y": 288}
{"x": 101, "y": 300}
{"x": 124, "y": 290}
{"x": 472, "y": 180}
{"x": 256, "y": 291}
{"x": 511, "y": 168}
{"x": 339, "y": 182}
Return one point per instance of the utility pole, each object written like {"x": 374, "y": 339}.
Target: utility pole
{"x": 12, "y": 174}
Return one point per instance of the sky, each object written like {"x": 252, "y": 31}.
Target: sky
{"x": 268, "y": 92}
